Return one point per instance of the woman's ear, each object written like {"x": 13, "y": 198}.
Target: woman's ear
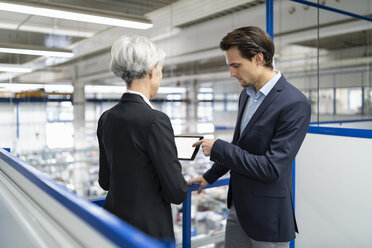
{"x": 153, "y": 70}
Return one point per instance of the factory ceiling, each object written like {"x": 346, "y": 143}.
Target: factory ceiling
{"x": 189, "y": 31}
{"x": 31, "y": 31}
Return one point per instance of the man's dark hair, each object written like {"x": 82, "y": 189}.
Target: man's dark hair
{"x": 250, "y": 41}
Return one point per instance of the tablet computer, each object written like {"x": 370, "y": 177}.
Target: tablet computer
{"x": 185, "y": 150}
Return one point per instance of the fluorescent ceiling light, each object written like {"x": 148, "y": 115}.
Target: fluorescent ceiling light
{"x": 19, "y": 87}
{"x": 54, "y": 12}
{"x": 14, "y": 68}
{"x": 46, "y": 30}
{"x": 47, "y": 53}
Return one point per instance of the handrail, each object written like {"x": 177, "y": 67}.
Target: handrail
{"x": 340, "y": 121}
{"x": 114, "y": 229}
{"x": 338, "y": 131}
{"x": 186, "y": 210}
{"x": 108, "y": 225}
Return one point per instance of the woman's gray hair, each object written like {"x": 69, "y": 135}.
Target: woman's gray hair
{"x": 133, "y": 58}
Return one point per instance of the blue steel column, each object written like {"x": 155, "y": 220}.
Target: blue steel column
{"x": 186, "y": 222}
{"x": 270, "y": 18}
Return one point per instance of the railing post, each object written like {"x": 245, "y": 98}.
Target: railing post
{"x": 186, "y": 222}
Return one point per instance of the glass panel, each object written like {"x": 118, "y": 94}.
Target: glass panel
{"x": 325, "y": 101}
{"x": 349, "y": 101}
{"x": 368, "y": 102}
{"x": 340, "y": 57}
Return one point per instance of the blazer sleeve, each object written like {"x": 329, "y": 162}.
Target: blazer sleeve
{"x": 216, "y": 171}
{"x": 163, "y": 154}
{"x": 290, "y": 131}
{"x": 104, "y": 170}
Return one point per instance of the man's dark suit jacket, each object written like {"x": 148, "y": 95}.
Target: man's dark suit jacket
{"x": 138, "y": 166}
{"x": 260, "y": 162}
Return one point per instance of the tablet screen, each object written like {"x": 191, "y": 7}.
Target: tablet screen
{"x": 185, "y": 150}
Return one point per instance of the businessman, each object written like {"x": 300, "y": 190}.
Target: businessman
{"x": 273, "y": 117}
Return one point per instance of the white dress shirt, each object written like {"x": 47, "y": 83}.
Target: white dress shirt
{"x": 140, "y": 94}
{"x": 255, "y": 100}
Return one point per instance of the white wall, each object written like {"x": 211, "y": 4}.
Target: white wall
{"x": 333, "y": 192}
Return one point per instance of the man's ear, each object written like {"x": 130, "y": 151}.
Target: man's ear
{"x": 259, "y": 59}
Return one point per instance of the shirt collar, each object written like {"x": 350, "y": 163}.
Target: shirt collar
{"x": 143, "y": 97}
{"x": 265, "y": 90}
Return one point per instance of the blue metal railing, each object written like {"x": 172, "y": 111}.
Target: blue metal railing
{"x": 338, "y": 131}
{"x": 108, "y": 225}
{"x": 186, "y": 228}
{"x": 340, "y": 121}
{"x": 186, "y": 207}
{"x": 186, "y": 210}
{"x": 111, "y": 227}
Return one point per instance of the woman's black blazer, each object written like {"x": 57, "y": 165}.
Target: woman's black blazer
{"x": 138, "y": 166}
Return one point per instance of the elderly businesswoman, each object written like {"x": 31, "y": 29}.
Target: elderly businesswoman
{"x": 138, "y": 162}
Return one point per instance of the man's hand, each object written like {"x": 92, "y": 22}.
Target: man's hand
{"x": 199, "y": 179}
{"x": 207, "y": 145}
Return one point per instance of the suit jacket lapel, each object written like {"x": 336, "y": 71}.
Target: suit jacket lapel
{"x": 274, "y": 93}
{"x": 242, "y": 103}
